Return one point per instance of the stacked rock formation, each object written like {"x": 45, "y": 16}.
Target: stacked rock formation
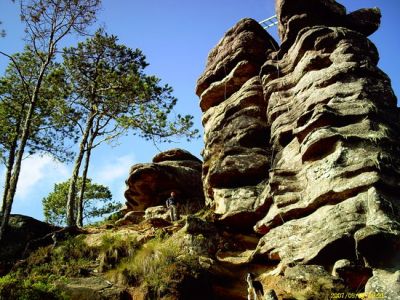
{"x": 150, "y": 184}
{"x": 308, "y": 138}
{"x": 236, "y": 155}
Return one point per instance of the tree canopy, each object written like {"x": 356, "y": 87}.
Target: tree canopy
{"x": 54, "y": 119}
{"x": 97, "y": 202}
{"x": 114, "y": 95}
{"x": 46, "y": 22}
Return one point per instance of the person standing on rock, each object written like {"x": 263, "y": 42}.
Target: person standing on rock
{"x": 172, "y": 205}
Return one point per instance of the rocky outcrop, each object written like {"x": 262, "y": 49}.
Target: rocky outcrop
{"x": 236, "y": 155}
{"x": 174, "y": 170}
{"x": 96, "y": 288}
{"x": 307, "y": 148}
{"x": 306, "y": 282}
{"x": 20, "y": 232}
{"x": 333, "y": 121}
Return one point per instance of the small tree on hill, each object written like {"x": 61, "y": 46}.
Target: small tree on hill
{"x": 97, "y": 202}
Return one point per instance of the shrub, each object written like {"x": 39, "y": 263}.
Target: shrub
{"x": 114, "y": 248}
{"x": 157, "y": 264}
{"x": 14, "y": 288}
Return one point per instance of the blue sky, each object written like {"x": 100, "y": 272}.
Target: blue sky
{"x": 176, "y": 36}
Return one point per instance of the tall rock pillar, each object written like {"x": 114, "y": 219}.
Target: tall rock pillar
{"x": 236, "y": 154}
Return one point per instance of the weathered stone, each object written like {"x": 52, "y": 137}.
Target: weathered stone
{"x": 235, "y": 158}
{"x": 309, "y": 147}
{"x": 175, "y": 170}
{"x": 195, "y": 225}
{"x": 366, "y": 20}
{"x": 332, "y": 142}
{"x": 304, "y": 282}
{"x": 159, "y": 211}
{"x": 92, "y": 288}
{"x": 131, "y": 217}
{"x": 158, "y": 222}
{"x": 384, "y": 284}
{"x": 294, "y": 15}
{"x": 233, "y": 48}
{"x": 310, "y": 282}
{"x": 219, "y": 91}
{"x": 176, "y": 154}
{"x": 322, "y": 237}
{"x": 355, "y": 276}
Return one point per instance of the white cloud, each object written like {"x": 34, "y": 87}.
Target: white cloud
{"x": 35, "y": 169}
{"x": 115, "y": 169}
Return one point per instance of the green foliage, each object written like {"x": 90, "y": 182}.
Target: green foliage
{"x": 109, "y": 81}
{"x": 35, "y": 278}
{"x": 114, "y": 248}
{"x": 75, "y": 258}
{"x": 97, "y": 201}
{"x": 47, "y": 22}
{"x": 12, "y": 287}
{"x": 2, "y": 31}
{"x": 157, "y": 263}
{"x": 72, "y": 258}
{"x": 53, "y": 124}
{"x": 113, "y": 95}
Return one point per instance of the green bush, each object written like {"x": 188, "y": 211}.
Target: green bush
{"x": 114, "y": 248}
{"x": 156, "y": 265}
{"x": 16, "y": 289}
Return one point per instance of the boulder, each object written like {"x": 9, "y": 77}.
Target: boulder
{"x": 92, "y": 288}
{"x": 131, "y": 217}
{"x": 294, "y": 15}
{"x": 384, "y": 284}
{"x": 365, "y": 20}
{"x": 176, "y": 170}
{"x": 310, "y": 282}
{"x": 20, "y": 232}
{"x": 332, "y": 143}
{"x": 159, "y": 211}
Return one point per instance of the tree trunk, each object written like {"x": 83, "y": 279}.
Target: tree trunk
{"x": 84, "y": 176}
{"x": 18, "y": 161}
{"x": 20, "y": 152}
{"x": 10, "y": 162}
{"x": 75, "y": 173}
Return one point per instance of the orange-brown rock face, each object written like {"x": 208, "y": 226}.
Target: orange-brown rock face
{"x": 310, "y": 141}
{"x": 174, "y": 170}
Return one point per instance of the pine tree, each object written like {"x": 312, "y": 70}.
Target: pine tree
{"x": 114, "y": 95}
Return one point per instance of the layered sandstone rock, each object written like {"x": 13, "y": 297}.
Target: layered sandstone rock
{"x": 176, "y": 170}
{"x": 310, "y": 141}
{"x": 236, "y": 154}
{"x": 333, "y": 121}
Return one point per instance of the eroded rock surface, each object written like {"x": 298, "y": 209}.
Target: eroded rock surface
{"x": 176, "y": 170}
{"x": 304, "y": 146}
{"x": 236, "y": 155}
